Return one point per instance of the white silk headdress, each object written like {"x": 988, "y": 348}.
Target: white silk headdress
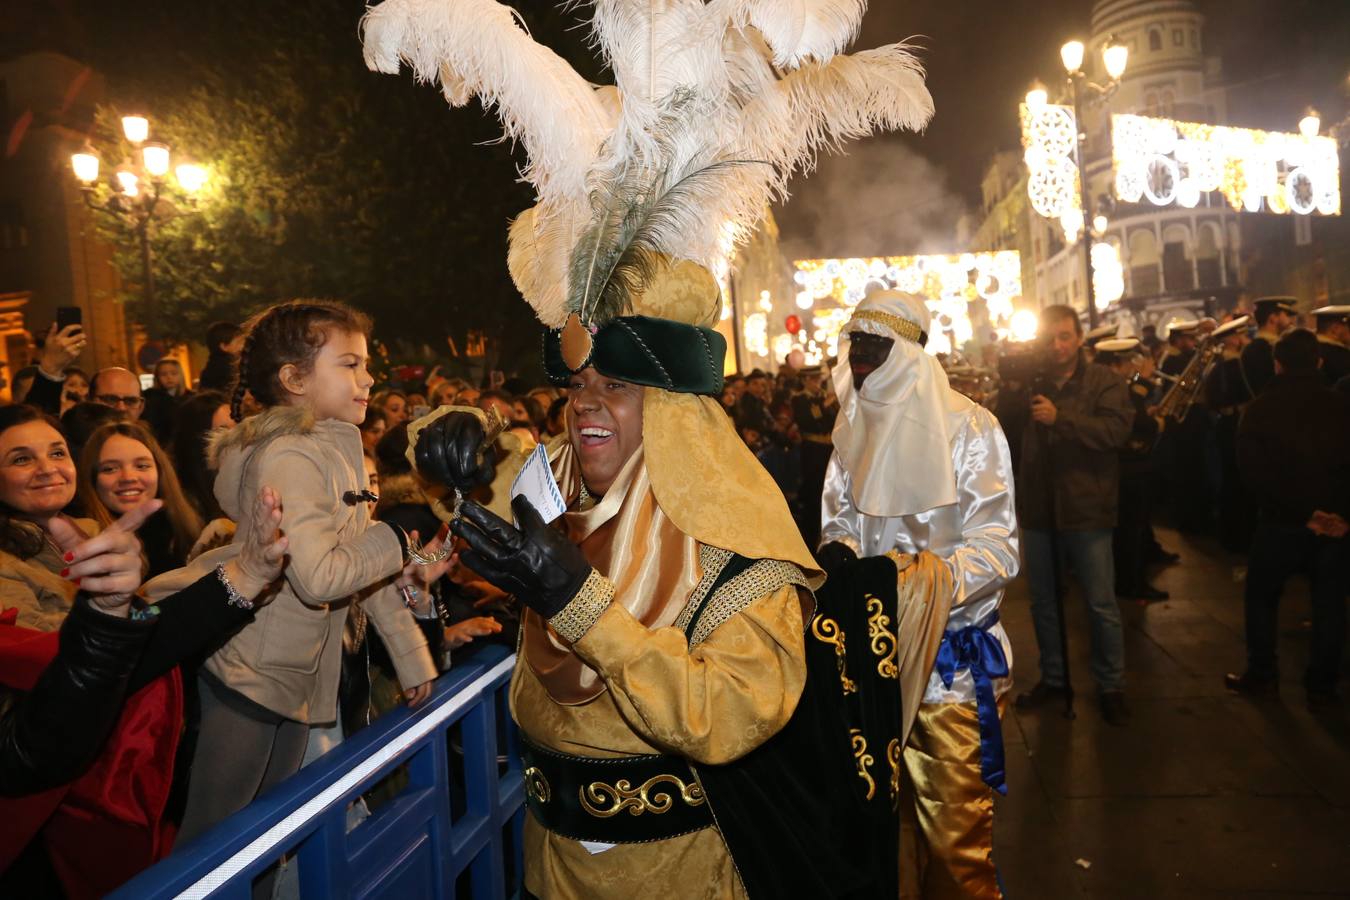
{"x": 715, "y": 106}
{"x": 891, "y": 434}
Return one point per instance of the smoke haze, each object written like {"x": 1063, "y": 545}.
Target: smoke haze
{"x": 880, "y": 199}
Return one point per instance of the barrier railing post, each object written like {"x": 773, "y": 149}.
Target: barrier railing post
{"x": 410, "y": 845}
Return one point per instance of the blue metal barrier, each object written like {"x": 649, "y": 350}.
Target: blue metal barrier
{"x": 454, "y": 829}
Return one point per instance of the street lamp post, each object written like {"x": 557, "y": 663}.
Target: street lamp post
{"x": 1114, "y": 58}
{"x": 136, "y": 189}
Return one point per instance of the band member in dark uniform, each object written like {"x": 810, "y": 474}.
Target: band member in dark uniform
{"x": 814, "y": 410}
{"x": 1274, "y": 316}
{"x": 1185, "y": 444}
{"x": 1124, "y": 357}
{"x": 1333, "y": 341}
{"x": 1226, "y": 394}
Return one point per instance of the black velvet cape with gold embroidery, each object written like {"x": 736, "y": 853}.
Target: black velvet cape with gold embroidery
{"x": 813, "y": 811}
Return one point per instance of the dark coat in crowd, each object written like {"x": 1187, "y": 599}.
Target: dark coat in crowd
{"x": 92, "y": 716}
{"x": 1258, "y": 364}
{"x": 218, "y": 373}
{"x": 1293, "y": 449}
{"x": 160, "y": 407}
{"x": 50, "y": 734}
{"x": 1335, "y": 360}
{"x": 1076, "y": 460}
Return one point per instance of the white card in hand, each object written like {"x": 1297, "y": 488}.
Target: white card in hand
{"x": 535, "y": 483}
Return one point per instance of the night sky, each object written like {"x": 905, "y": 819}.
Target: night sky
{"x": 905, "y": 193}
{"x": 981, "y": 56}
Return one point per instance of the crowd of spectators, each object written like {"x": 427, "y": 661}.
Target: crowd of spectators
{"x": 86, "y": 460}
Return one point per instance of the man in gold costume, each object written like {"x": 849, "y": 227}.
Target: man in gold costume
{"x": 674, "y": 744}
{"x": 665, "y": 637}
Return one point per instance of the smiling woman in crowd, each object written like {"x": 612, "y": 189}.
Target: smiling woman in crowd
{"x": 123, "y": 467}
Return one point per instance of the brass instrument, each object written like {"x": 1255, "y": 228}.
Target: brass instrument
{"x": 1156, "y": 383}
{"x": 1177, "y": 402}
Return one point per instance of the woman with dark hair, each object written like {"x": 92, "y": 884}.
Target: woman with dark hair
{"x": 198, "y": 417}
{"x": 393, "y": 403}
{"x": 75, "y": 390}
{"x": 373, "y": 427}
{"x": 123, "y": 467}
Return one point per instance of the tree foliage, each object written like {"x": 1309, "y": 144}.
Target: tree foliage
{"x": 325, "y": 179}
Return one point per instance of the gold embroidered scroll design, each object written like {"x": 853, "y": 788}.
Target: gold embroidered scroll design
{"x": 536, "y": 785}
{"x": 893, "y": 756}
{"x": 878, "y": 629}
{"x": 604, "y": 800}
{"x": 863, "y": 760}
{"x": 828, "y": 630}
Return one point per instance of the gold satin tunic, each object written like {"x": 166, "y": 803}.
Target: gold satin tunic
{"x": 712, "y": 704}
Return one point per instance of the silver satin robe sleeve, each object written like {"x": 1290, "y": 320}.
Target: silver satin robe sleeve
{"x": 840, "y": 520}
{"x": 986, "y": 558}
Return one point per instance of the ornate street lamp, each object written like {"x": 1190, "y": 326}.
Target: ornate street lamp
{"x": 136, "y": 188}
{"x": 1115, "y": 56}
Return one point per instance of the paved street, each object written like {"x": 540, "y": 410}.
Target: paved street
{"x": 1204, "y": 794}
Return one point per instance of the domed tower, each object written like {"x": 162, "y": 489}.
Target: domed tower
{"x": 1168, "y": 74}
{"x": 1177, "y": 261}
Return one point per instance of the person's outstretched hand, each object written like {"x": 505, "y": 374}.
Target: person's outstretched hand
{"x": 108, "y": 566}
{"x": 538, "y": 564}
{"x": 263, "y": 554}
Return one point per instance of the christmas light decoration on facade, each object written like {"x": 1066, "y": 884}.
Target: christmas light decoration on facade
{"x": 756, "y": 333}
{"x": 948, "y": 284}
{"x": 1050, "y": 137}
{"x": 1167, "y": 162}
{"x": 1108, "y": 274}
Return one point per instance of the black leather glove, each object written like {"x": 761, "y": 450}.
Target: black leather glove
{"x": 833, "y": 555}
{"x": 536, "y": 563}
{"x": 451, "y": 451}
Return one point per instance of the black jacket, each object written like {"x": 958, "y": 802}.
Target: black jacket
{"x": 218, "y": 373}
{"x": 1258, "y": 364}
{"x": 1076, "y": 461}
{"x": 51, "y": 734}
{"x": 45, "y": 395}
{"x": 1335, "y": 360}
{"x": 1293, "y": 449}
{"x": 160, "y": 407}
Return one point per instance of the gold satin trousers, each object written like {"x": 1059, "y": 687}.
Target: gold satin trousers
{"x": 946, "y": 810}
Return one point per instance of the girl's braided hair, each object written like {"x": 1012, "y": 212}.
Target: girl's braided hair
{"x": 289, "y": 333}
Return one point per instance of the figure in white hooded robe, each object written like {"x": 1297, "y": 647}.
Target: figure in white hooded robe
{"x": 917, "y": 466}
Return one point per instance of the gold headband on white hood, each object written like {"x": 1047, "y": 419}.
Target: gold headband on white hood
{"x": 891, "y": 434}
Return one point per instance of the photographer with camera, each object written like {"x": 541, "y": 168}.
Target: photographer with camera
{"x": 1067, "y": 500}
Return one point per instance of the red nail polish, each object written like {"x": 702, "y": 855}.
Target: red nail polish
{"x": 69, "y": 557}
{"x": 77, "y": 581}
{"x": 65, "y": 572}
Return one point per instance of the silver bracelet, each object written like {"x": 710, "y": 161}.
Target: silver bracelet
{"x": 232, "y": 595}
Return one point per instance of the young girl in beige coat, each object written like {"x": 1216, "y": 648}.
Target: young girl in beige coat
{"x": 305, "y": 362}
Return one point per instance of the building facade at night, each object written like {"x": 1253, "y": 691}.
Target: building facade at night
{"x": 50, "y": 254}
{"x": 1176, "y": 261}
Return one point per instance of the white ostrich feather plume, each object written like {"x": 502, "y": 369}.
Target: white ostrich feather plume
{"x": 479, "y": 47}
{"x": 821, "y": 106}
{"x": 715, "y": 106}
{"x": 798, "y": 31}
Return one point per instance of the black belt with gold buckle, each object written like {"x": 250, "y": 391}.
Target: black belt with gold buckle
{"x": 619, "y": 800}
